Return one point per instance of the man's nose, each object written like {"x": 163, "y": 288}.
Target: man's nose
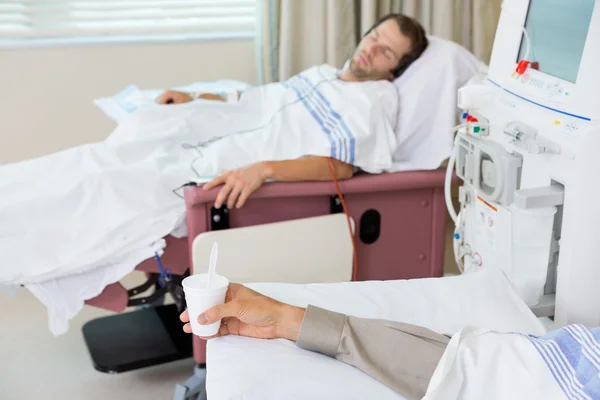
{"x": 373, "y": 50}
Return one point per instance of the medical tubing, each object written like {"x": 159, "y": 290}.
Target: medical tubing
{"x": 165, "y": 273}
{"x": 459, "y": 250}
{"x": 448, "y": 181}
{"x": 523, "y": 28}
{"x": 458, "y": 257}
{"x": 456, "y": 249}
{"x": 528, "y": 43}
{"x": 345, "y": 207}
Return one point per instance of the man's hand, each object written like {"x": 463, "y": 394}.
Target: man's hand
{"x": 248, "y": 313}
{"x": 174, "y": 97}
{"x": 239, "y": 184}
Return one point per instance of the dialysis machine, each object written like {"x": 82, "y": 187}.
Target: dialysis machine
{"x": 529, "y": 158}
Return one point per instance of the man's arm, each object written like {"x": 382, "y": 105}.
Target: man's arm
{"x": 175, "y": 97}
{"x": 403, "y": 357}
{"x": 239, "y": 184}
{"x": 307, "y": 169}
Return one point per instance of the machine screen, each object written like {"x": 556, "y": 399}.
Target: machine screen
{"x": 558, "y": 30}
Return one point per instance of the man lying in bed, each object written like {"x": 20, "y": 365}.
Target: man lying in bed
{"x": 418, "y": 363}
{"x": 389, "y": 47}
{"x": 111, "y": 203}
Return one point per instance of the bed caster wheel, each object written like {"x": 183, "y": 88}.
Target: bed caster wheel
{"x": 194, "y": 388}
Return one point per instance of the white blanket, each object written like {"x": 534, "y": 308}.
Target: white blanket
{"x": 94, "y": 205}
{"x": 479, "y": 363}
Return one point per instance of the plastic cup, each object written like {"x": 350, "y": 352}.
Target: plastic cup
{"x": 200, "y": 298}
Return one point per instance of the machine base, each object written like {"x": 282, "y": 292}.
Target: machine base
{"x": 194, "y": 388}
{"x": 545, "y": 308}
{"x": 137, "y": 339}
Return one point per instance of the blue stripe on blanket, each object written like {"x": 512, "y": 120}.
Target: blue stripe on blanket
{"x": 340, "y": 137}
{"x": 334, "y": 151}
{"x": 351, "y": 143}
{"x": 321, "y": 114}
{"x": 573, "y": 356}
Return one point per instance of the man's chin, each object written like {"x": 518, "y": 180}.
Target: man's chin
{"x": 358, "y": 72}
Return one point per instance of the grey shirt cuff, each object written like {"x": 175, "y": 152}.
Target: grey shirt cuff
{"x": 321, "y": 331}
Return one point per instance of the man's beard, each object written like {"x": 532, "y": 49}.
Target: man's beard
{"x": 357, "y": 70}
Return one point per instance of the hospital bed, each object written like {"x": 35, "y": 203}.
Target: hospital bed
{"x": 277, "y": 369}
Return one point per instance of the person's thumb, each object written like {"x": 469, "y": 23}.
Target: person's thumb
{"x": 219, "y": 312}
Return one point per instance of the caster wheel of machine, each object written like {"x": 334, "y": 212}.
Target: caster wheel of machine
{"x": 194, "y": 388}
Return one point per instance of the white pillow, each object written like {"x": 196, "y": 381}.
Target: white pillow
{"x": 427, "y": 107}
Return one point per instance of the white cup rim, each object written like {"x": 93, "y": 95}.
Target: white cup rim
{"x": 188, "y": 286}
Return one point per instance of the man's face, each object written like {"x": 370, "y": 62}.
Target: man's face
{"x": 380, "y": 52}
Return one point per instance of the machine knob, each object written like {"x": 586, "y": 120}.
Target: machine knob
{"x": 422, "y": 257}
{"x": 217, "y": 218}
{"x": 425, "y": 203}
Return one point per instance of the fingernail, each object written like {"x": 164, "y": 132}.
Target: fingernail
{"x": 202, "y": 319}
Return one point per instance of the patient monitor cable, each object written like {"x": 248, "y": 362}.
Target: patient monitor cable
{"x": 217, "y": 138}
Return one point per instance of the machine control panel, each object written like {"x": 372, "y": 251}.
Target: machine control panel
{"x": 537, "y": 86}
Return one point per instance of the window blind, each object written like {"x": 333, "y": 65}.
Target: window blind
{"x": 92, "y": 18}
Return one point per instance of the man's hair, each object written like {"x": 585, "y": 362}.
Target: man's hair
{"x": 412, "y": 30}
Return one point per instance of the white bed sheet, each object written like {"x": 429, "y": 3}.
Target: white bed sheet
{"x": 243, "y": 368}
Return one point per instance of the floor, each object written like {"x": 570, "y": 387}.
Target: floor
{"x": 36, "y": 365}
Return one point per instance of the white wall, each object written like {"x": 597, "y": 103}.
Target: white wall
{"x": 46, "y": 94}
